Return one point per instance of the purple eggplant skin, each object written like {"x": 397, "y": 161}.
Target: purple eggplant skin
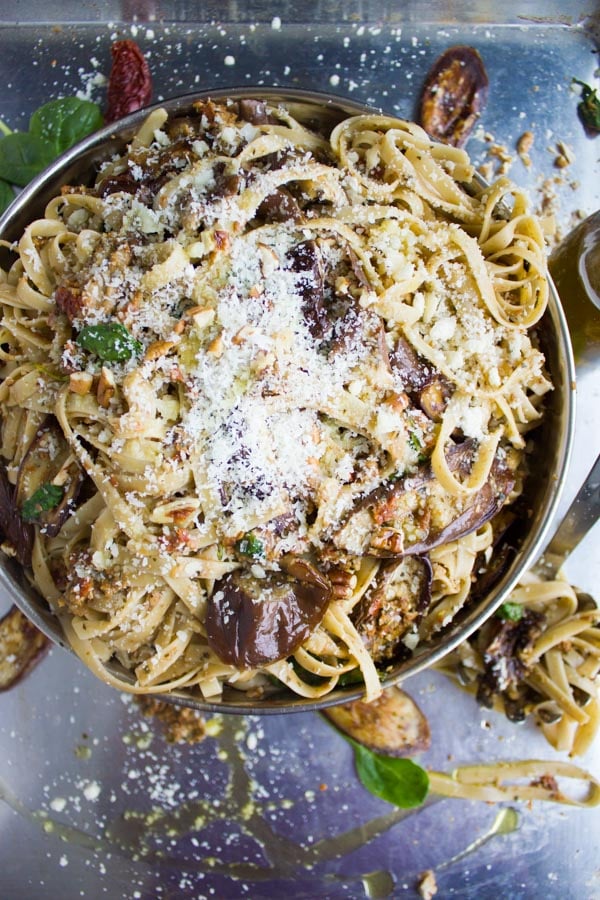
{"x": 484, "y": 505}
{"x": 306, "y": 259}
{"x": 46, "y": 453}
{"x": 429, "y": 389}
{"x": 454, "y": 95}
{"x": 19, "y": 535}
{"x": 252, "y": 622}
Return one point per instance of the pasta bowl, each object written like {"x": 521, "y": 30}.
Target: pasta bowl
{"x": 252, "y": 504}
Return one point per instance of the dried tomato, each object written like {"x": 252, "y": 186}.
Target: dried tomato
{"x": 454, "y": 95}
{"x": 130, "y": 82}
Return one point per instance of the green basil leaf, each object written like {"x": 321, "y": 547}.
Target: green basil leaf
{"x": 65, "y": 121}
{"x": 250, "y": 546}
{"x": 111, "y": 341}
{"x": 399, "y": 781}
{"x": 45, "y": 498}
{"x": 510, "y": 612}
{"x": 589, "y": 106}
{"x": 7, "y": 195}
{"x": 23, "y": 156}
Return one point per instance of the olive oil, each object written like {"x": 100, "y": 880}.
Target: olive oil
{"x": 575, "y": 268}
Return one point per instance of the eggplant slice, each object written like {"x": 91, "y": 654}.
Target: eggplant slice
{"x": 21, "y": 647}
{"x": 254, "y": 621}
{"x": 392, "y": 725}
{"x": 376, "y": 526}
{"x": 47, "y": 457}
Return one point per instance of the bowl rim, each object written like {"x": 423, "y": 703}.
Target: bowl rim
{"x": 13, "y": 579}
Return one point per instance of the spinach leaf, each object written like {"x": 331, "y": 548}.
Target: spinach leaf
{"x": 7, "y": 195}
{"x": 399, "y": 781}
{"x": 63, "y": 122}
{"x": 46, "y": 497}
{"x": 110, "y": 341}
{"x": 23, "y": 156}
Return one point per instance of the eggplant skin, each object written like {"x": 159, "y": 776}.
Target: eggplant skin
{"x": 253, "y": 622}
{"x": 22, "y": 646}
{"x": 392, "y": 725}
{"x": 454, "y": 95}
{"x": 374, "y": 525}
{"x": 18, "y": 534}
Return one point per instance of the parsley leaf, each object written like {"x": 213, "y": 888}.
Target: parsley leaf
{"x": 397, "y": 780}
{"x": 45, "y": 498}
{"x": 110, "y": 341}
{"x": 510, "y": 612}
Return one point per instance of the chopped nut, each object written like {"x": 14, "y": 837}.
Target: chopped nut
{"x": 80, "y": 382}
{"x": 524, "y": 145}
{"x": 158, "y": 349}
{"x": 215, "y": 348}
{"x": 263, "y": 360}
{"x": 427, "y": 885}
{"x": 202, "y": 316}
{"x": 106, "y": 387}
{"x": 243, "y": 334}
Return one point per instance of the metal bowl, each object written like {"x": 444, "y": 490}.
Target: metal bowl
{"x": 321, "y": 112}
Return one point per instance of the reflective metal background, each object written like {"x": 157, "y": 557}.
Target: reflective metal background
{"x": 96, "y": 803}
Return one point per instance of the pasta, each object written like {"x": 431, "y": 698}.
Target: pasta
{"x": 266, "y": 395}
{"x": 543, "y": 661}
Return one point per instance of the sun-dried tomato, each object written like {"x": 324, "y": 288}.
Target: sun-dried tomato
{"x": 454, "y": 95}
{"x": 130, "y": 81}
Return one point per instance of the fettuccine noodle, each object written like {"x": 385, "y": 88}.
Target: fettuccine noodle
{"x": 265, "y": 396}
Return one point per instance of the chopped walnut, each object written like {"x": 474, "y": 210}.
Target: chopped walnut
{"x": 180, "y": 724}
{"x": 427, "y": 885}
{"x": 106, "y": 388}
{"x": 80, "y": 382}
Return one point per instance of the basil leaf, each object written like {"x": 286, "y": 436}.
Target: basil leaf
{"x": 250, "y": 546}
{"x": 111, "y": 341}
{"x": 589, "y": 106}
{"x": 399, "y": 781}
{"x": 510, "y": 612}
{"x": 23, "y": 156}
{"x": 45, "y": 498}
{"x": 7, "y": 195}
{"x": 65, "y": 121}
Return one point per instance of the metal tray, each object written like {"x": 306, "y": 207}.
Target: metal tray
{"x": 95, "y": 801}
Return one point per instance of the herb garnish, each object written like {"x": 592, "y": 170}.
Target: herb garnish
{"x": 251, "y": 546}
{"x": 53, "y": 128}
{"x": 589, "y": 106}
{"x": 397, "y": 780}
{"x": 110, "y": 341}
{"x": 44, "y": 499}
{"x": 510, "y": 612}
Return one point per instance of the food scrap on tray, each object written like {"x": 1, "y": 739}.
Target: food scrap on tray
{"x": 454, "y": 95}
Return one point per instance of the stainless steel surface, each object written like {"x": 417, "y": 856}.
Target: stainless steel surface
{"x": 553, "y": 440}
{"x": 579, "y": 519}
{"x": 95, "y": 802}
